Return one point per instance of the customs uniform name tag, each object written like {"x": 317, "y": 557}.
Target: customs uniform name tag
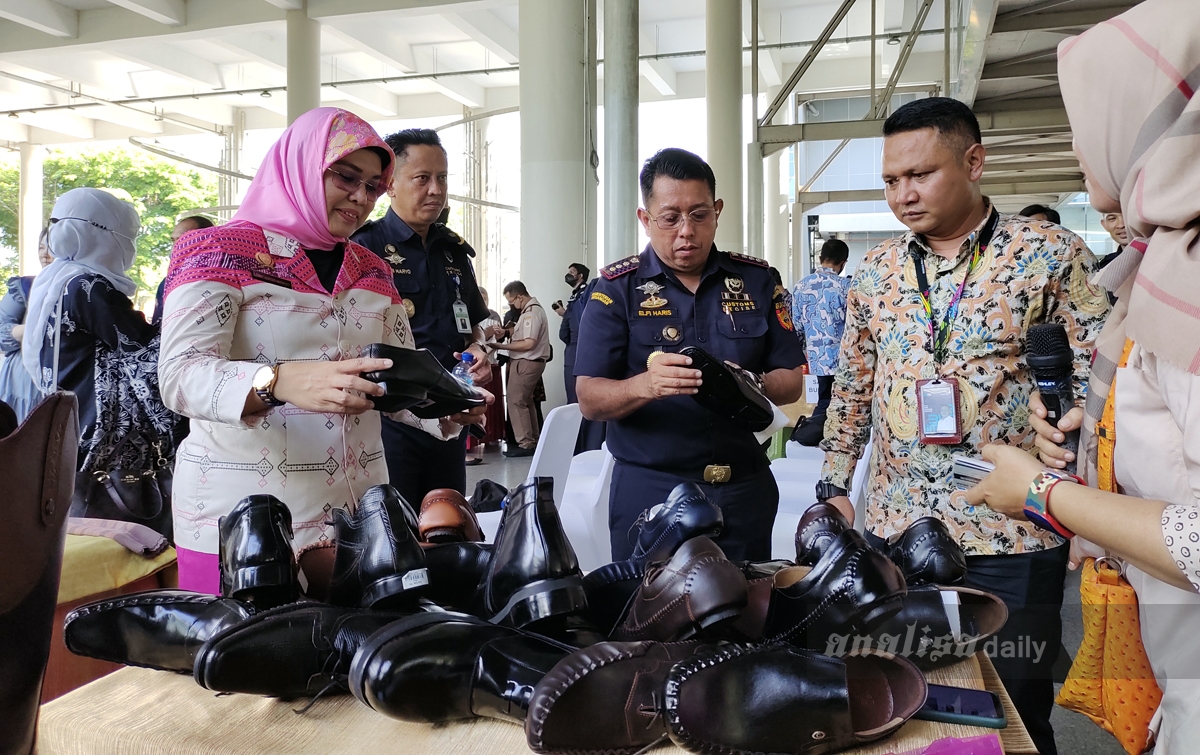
{"x": 937, "y": 411}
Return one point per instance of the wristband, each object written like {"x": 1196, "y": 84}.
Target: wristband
{"x": 1037, "y": 502}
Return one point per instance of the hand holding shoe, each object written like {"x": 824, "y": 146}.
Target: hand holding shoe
{"x": 668, "y": 375}
{"x": 328, "y": 387}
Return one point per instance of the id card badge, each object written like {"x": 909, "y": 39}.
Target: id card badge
{"x": 937, "y": 411}
{"x": 462, "y": 318}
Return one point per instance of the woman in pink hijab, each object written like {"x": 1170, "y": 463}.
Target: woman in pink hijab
{"x": 265, "y": 318}
{"x": 1130, "y": 85}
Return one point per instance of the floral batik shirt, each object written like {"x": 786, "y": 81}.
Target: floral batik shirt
{"x": 1031, "y": 272}
{"x": 819, "y": 309}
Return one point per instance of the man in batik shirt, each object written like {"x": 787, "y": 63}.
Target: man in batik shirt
{"x": 944, "y": 310}
{"x": 819, "y": 313}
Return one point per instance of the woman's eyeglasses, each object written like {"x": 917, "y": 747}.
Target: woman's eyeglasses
{"x": 94, "y": 224}
{"x": 350, "y": 183}
{"x": 669, "y": 221}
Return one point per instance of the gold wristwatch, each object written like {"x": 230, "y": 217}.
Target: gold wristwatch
{"x": 263, "y": 384}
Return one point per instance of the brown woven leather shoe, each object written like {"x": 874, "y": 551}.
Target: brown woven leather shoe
{"x": 446, "y": 517}
{"x": 696, "y": 590}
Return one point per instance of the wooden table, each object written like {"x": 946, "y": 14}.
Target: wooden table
{"x": 142, "y": 712}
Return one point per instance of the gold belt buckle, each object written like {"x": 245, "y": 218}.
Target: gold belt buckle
{"x": 718, "y": 473}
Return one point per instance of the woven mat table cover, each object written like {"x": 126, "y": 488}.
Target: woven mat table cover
{"x": 142, "y": 712}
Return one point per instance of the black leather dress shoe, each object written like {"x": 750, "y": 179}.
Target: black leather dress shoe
{"x": 819, "y": 527}
{"x": 937, "y": 626}
{"x": 417, "y": 372}
{"x": 257, "y": 562}
{"x": 378, "y": 562}
{"x": 852, "y": 589}
{"x": 729, "y": 392}
{"x": 928, "y": 554}
{"x": 687, "y": 513}
{"x": 533, "y": 573}
{"x": 777, "y": 699}
{"x": 439, "y": 667}
{"x": 158, "y": 629}
{"x": 297, "y": 650}
{"x": 606, "y": 699}
{"x": 456, "y": 573}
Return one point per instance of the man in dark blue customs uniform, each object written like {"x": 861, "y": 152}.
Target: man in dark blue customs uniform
{"x": 432, "y": 268}
{"x": 572, "y": 314}
{"x": 681, "y": 291}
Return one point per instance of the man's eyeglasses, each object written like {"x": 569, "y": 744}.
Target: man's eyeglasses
{"x": 669, "y": 221}
{"x": 94, "y": 224}
{"x": 349, "y": 184}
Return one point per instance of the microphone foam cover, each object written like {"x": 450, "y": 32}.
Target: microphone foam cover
{"x": 1047, "y": 339}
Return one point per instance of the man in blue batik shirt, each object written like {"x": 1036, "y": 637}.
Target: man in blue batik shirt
{"x": 819, "y": 312}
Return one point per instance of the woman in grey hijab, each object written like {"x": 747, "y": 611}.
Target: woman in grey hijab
{"x": 82, "y": 332}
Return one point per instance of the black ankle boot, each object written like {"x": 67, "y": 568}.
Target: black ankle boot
{"x": 257, "y": 562}
{"x": 533, "y": 573}
{"x": 37, "y": 464}
{"x": 378, "y": 562}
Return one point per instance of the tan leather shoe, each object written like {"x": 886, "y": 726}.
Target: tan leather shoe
{"x": 446, "y": 517}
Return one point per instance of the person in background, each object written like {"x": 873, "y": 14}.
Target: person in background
{"x": 1041, "y": 212}
{"x": 266, "y": 318}
{"x": 682, "y": 291}
{"x": 819, "y": 312}
{"x": 433, "y": 271}
{"x": 568, "y": 331}
{"x": 494, "y": 418}
{"x": 1114, "y": 223}
{"x": 190, "y": 223}
{"x": 16, "y": 385}
{"x": 82, "y": 320}
{"x": 528, "y": 350}
{"x": 1133, "y": 119}
{"x": 944, "y": 307}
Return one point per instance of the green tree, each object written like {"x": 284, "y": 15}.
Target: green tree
{"x": 160, "y": 190}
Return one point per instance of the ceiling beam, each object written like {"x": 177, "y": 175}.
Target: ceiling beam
{"x": 1056, "y": 20}
{"x": 370, "y": 96}
{"x": 1015, "y": 104}
{"x": 287, "y": 4}
{"x": 1027, "y": 165}
{"x": 267, "y": 48}
{"x": 489, "y": 31}
{"x": 378, "y": 42}
{"x": 144, "y": 122}
{"x": 67, "y": 124}
{"x": 1035, "y": 120}
{"x": 994, "y": 71}
{"x": 169, "y": 12}
{"x": 658, "y": 73}
{"x": 817, "y": 132}
{"x": 1032, "y": 186}
{"x": 46, "y": 16}
{"x": 456, "y": 88}
{"x": 1032, "y": 148}
{"x": 176, "y": 62}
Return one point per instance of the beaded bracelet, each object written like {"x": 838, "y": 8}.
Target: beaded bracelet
{"x": 1037, "y": 502}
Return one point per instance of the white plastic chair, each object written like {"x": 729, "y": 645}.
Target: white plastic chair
{"x": 556, "y": 446}
{"x": 797, "y": 481}
{"x": 794, "y": 450}
{"x": 584, "y": 514}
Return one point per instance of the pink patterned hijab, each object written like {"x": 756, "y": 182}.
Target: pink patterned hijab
{"x": 1129, "y": 87}
{"x": 287, "y": 195}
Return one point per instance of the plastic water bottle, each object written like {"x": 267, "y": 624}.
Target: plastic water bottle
{"x": 462, "y": 370}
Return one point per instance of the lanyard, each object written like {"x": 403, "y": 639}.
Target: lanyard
{"x": 939, "y": 332}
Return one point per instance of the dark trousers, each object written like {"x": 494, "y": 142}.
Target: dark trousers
{"x": 1031, "y": 585}
{"x": 418, "y": 462}
{"x": 591, "y": 433}
{"x": 748, "y": 507}
{"x": 824, "y": 394}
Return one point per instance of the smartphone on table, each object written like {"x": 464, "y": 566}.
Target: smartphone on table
{"x": 960, "y": 705}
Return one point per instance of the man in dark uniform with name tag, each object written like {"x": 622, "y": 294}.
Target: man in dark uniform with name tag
{"x": 432, "y": 268}
{"x": 681, "y": 291}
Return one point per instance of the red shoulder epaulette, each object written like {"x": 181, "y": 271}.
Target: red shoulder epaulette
{"x": 619, "y": 268}
{"x": 756, "y": 261}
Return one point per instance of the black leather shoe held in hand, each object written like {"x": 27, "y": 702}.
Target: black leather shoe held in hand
{"x": 257, "y": 562}
{"x": 730, "y": 392}
{"x": 417, "y": 381}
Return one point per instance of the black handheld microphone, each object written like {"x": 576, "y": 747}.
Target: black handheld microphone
{"x": 1051, "y": 361}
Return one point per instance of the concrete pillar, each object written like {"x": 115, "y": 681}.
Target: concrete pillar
{"x": 555, "y": 156}
{"x": 723, "y": 100}
{"x": 591, "y": 216}
{"x": 303, "y": 64}
{"x": 29, "y": 213}
{"x": 621, "y": 80}
{"x": 775, "y": 245}
{"x": 754, "y": 200}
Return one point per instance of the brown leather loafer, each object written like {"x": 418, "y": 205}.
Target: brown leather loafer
{"x": 606, "y": 699}
{"x": 696, "y": 590}
{"x": 446, "y": 517}
{"x": 779, "y": 699}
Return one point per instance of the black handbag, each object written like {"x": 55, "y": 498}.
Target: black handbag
{"x": 139, "y": 493}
